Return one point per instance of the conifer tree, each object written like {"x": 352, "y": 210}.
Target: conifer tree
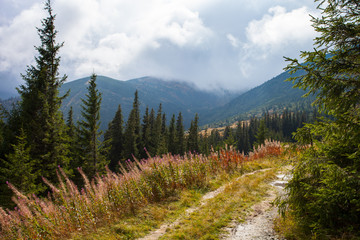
{"x": 132, "y": 131}
{"x": 70, "y": 124}
{"x": 39, "y": 110}
{"x": 146, "y": 134}
{"x": 180, "y": 136}
{"x": 261, "y": 133}
{"x": 115, "y": 137}
{"x": 73, "y": 141}
{"x": 19, "y": 168}
{"x": 156, "y": 136}
{"x": 324, "y": 192}
{"x": 89, "y": 130}
{"x": 193, "y": 137}
{"x": 172, "y": 136}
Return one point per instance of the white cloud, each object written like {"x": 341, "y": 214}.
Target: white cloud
{"x": 233, "y": 40}
{"x": 209, "y": 42}
{"x": 18, "y": 38}
{"x": 107, "y": 35}
{"x": 280, "y": 27}
{"x": 278, "y": 33}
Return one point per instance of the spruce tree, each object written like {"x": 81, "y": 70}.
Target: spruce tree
{"x": 172, "y": 136}
{"x": 324, "y": 191}
{"x": 39, "y": 109}
{"x": 146, "y": 134}
{"x": 261, "y": 133}
{"x": 132, "y": 131}
{"x": 180, "y": 136}
{"x": 193, "y": 137}
{"x": 19, "y": 168}
{"x": 89, "y": 131}
{"x": 115, "y": 137}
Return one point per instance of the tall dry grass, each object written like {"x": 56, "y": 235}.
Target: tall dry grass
{"x": 104, "y": 199}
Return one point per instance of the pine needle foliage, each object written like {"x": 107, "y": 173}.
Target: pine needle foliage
{"x": 324, "y": 192}
{"x": 40, "y": 113}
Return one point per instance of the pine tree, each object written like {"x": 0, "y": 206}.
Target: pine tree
{"x": 146, "y": 134}
{"x": 115, "y": 137}
{"x": 180, "y": 136}
{"x": 89, "y": 130}
{"x": 193, "y": 137}
{"x": 19, "y": 168}
{"x": 172, "y": 136}
{"x": 39, "y": 110}
{"x": 261, "y": 133}
{"x": 324, "y": 191}
{"x": 132, "y": 131}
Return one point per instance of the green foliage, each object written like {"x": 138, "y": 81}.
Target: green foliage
{"x": 115, "y": 137}
{"x": 324, "y": 191}
{"x": 172, "y": 135}
{"x": 193, "y": 137}
{"x": 39, "y": 109}
{"x": 20, "y": 168}
{"x": 132, "y": 131}
{"x": 180, "y": 136}
{"x": 261, "y": 133}
{"x": 92, "y": 160}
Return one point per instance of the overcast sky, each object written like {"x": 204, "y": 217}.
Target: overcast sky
{"x": 231, "y": 44}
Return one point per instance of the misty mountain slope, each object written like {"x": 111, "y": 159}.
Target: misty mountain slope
{"x": 175, "y": 97}
{"x": 274, "y": 93}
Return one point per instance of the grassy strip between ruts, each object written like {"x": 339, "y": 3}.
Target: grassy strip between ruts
{"x": 152, "y": 216}
{"x": 232, "y": 204}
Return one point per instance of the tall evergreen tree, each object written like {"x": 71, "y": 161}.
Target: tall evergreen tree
{"x": 19, "y": 168}
{"x": 324, "y": 192}
{"x": 261, "y": 133}
{"x": 115, "y": 136}
{"x": 180, "y": 136}
{"x": 193, "y": 137}
{"x": 157, "y": 132}
{"x": 40, "y": 112}
{"x": 132, "y": 131}
{"x": 172, "y": 136}
{"x": 145, "y": 133}
{"x": 89, "y": 129}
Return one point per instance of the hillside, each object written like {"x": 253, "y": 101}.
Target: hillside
{"x": 274, "y": 94}
{"x": 175, "y": 97}
{"x": 213, "y": 108}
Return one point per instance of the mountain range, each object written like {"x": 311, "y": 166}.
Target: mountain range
{"x": 176, "y": 96}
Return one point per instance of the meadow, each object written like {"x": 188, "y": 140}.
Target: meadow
{"x": 104, "y": 200}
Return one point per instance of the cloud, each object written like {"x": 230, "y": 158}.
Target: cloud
{"x": 232, "y": 44}
{"x": 233, "y": 40}
{"x": 278, "y": 33}
{"x": 280, "y": 27}
{"x": 16, "y": 37}
{"x": 107, "y": 35}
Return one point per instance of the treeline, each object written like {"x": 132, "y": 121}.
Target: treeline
{"x": 31, "y": 152}
{"x": 248, "y": 134}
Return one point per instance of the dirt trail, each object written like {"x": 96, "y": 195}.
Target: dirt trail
{"x": 163, "y": 228}
{"x": 259, "y": 224}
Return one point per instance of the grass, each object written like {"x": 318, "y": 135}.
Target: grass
{"x": 231, "y": 205}
{"x": 127, "y": 204}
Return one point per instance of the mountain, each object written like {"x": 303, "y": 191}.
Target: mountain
{"x": 174, "y": 96}
{"x": 213, "y": 108}
{"x": 275, "y": 94}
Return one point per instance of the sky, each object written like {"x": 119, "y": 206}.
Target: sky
{"x": 215, "y": 44}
